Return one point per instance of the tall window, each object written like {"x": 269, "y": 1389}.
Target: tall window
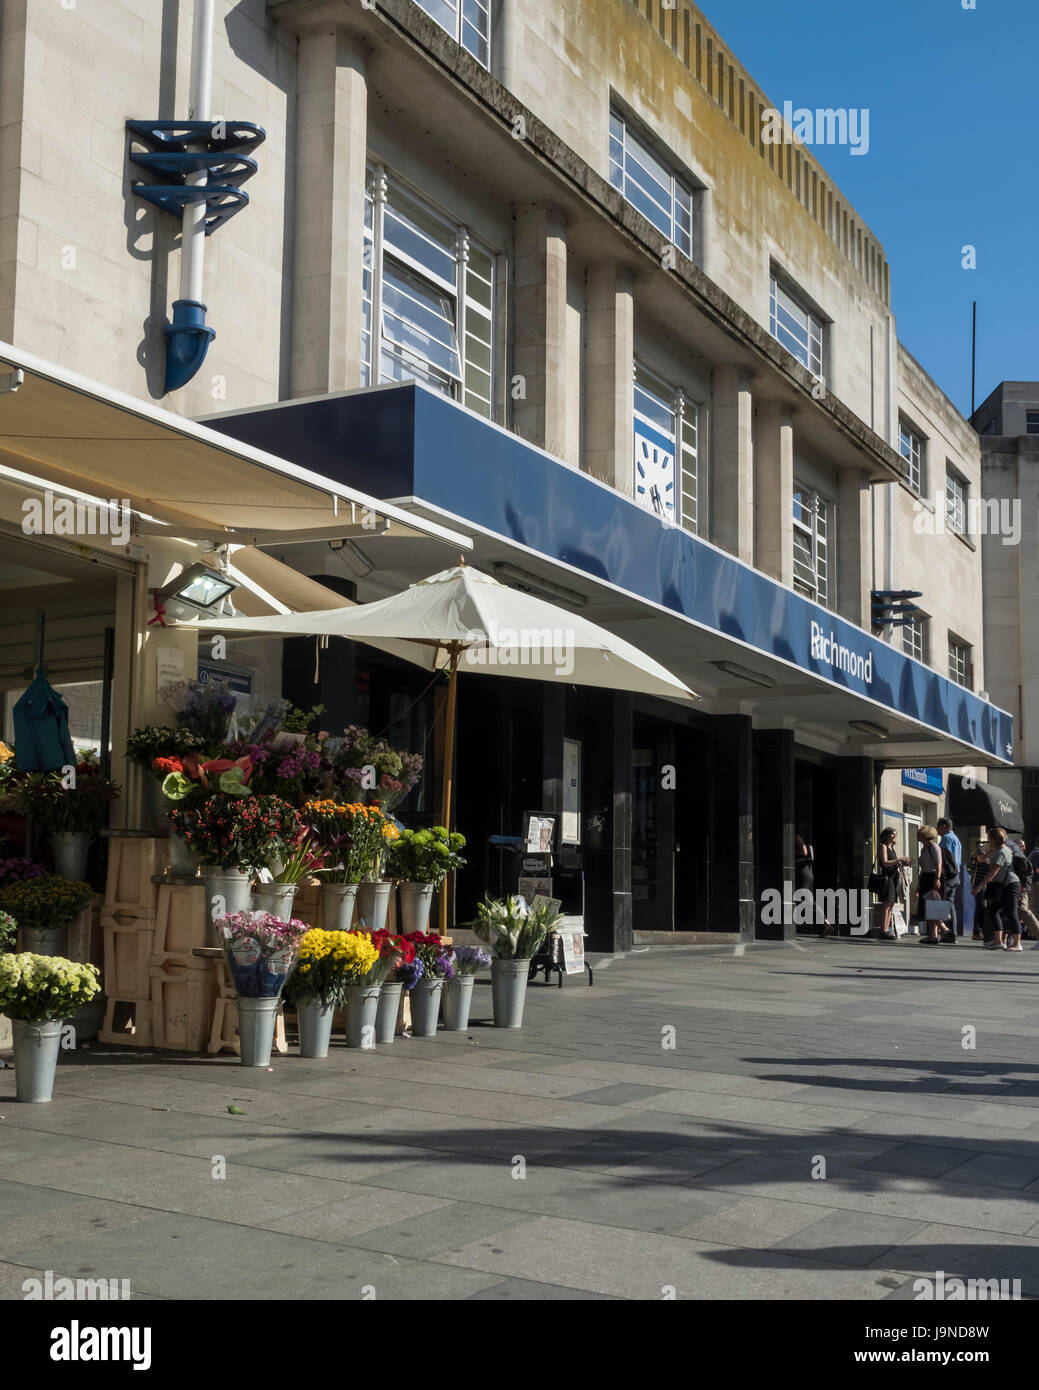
{"x": 666, "y": 477}
{"x": 467, "y": 21}
{"x": 796, "y": 327}
{"x": 428, "y": 298}
{"x": 1032, "y": 422}
{"x": 649, "y": 185}
{"x": 955, "y": 502}
{"x": 911, "y": 447}
{"x": 914, "y": 637}
{"x": 811, "y": 544}
{"x": 960, "y": 662}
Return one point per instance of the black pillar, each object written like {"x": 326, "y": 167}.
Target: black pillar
{"x": 854, "y": 817}
{"x": 732, "y": 903}
{"x": 774, "y": 827}
{"x": 606, "y": 725}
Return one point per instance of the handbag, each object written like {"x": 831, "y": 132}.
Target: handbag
{"x": 877, "y": 883}
{"x": 937, "y": 910}
{"x": 898, "y": 922}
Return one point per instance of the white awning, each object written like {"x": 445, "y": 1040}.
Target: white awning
{"x": 75, "y": 434}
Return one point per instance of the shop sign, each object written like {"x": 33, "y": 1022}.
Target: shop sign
{"x": 924, "y": 779}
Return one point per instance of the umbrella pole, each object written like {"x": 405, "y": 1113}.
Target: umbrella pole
{"x": 449, "y": 757}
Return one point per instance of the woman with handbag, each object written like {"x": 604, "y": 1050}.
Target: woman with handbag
{"x": 929, "y": 888}
{"x": 1002, "y": 889}
{"x": 884, "y": 881}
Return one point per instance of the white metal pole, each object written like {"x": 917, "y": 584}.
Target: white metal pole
{"x": 193, "y": 237}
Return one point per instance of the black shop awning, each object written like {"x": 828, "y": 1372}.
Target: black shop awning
{"x": 983, "y": 804}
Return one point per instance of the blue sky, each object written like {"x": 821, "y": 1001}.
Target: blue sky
{"x": 954, "y": 131}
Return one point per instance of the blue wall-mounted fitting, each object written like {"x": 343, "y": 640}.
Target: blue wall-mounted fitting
{"x": 216, "y": 157}
{"x": 187, "y": 342}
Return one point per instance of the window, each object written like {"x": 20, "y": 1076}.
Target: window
{"x": 914, "y": 637}
{"x": 960, "y": 663}
{"x": 796, "y": 327}
{"x": 811, "y": 545}
{"x": 650, "y": 186}
{"x": 1032, "y": 422}
{"x": 911, "y": 447}
{"x": 467, "y": 21}
{"x": 955, "y": 502}
{"x": 666, "y": 480}
{"x": 430, "y": 289}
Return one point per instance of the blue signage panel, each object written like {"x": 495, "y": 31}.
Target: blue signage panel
{"x": 409, "y": 440}
{"x": 924, "y": 779}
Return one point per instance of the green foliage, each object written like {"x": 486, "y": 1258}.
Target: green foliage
{"x": 425, "y": 856}
{"x": 161, "y": 741}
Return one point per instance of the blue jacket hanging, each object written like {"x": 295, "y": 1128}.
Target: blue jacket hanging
{"x": 41, "y": 728}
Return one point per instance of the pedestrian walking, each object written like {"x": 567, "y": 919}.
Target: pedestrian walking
{"x": 929, "y": 888}
{"x": 1022, "y": 866}
{"x": 888, "y": 864}
{"x": 1001, "y": 889}
{"x": 952, "y": 871}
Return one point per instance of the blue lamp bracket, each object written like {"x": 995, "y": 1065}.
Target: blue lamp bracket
{"x": 171, "y": 152}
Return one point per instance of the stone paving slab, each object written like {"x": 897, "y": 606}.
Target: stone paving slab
{"x": 643, "y": 1168}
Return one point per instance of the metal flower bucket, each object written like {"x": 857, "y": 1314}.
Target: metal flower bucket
{"x": 362, "y": 1011}
{"x": 315, "y": 1027}
{"x": 256, "y": 1022}
{"x": 36, "y": 1048}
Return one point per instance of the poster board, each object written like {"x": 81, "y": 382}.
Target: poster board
{"x": 571, "y": 823}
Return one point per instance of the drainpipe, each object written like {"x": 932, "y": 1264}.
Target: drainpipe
{"x": 187, "y": 337}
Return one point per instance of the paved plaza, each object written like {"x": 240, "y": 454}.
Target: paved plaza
{"x": 792, "y": 1121}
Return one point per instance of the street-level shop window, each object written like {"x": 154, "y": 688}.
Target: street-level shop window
{"x": 467, "y": 21}
{"x": 960, "y": 666}
{"x": 915, "y": 637}
{"x": 666, "y": 478}
{"x": 649, "y": 185}
{"x": 955, "y": 501}
{"x": 429, "y": 286}
{"x": 911, "y": 447}
{"x": 795, "y": 326}
{"x": 811, "y": 544}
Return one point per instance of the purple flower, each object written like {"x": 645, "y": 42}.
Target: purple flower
{"x": 411, "y": 974}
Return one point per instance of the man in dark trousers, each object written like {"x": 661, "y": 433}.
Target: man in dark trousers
{"x": 952, "y": 883}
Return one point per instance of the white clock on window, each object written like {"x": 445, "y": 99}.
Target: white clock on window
{"x": 654, "y": 476}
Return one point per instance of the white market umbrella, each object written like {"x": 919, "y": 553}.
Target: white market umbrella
{"x": 464, "y": 619}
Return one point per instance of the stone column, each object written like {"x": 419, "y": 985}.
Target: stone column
{"x": 854, "y": 541}
{"x": 732, "y": 905}
{"x": 732, "y": 506}
{"x": 609, "y": 374}
{"x": 540, "y": 316}
{"x": 773, "y": 491}
{"x": 331, "y": 147}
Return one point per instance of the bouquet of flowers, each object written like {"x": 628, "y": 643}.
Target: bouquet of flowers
{"x": 329, "y": 962}
{"x": 161, "y": 741}
{"x": 512, "y": 931}
{"x": 437, "y": 959}
{"x": 204, "y": 709}
{"x": 8, "y": 928}
{"x": 45, "y": 902}
{"x": 261, "y": 951}
{"x": 56, "y": 808}
{"x": 469, "y": 959}
{"x": 425, "y": 856}
{"x": 301, "y": 863}
{"x": 351, "y": 837}
{"x": 19, "y": 869}
{"x": 40, "y": 989}
{"x": 395, "y": 959}
{"x": 239, "y": 832}
{"x": 356, "y": 766}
